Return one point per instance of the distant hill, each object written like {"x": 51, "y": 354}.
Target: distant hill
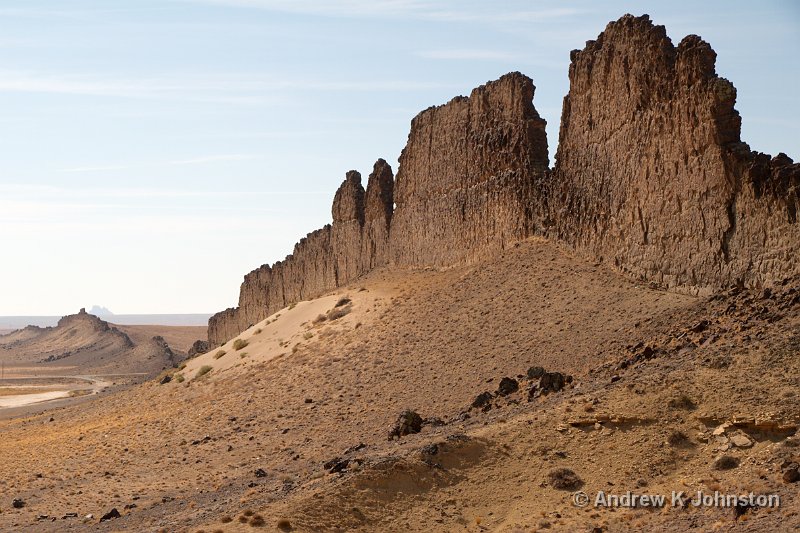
{"x": 84, "y": 343}
{"x": 195, "y": 319}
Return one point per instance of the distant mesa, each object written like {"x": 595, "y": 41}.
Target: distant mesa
{"x": 98, "y": 310}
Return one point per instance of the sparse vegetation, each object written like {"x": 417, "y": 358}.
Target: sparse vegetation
{"x": 292, "y": 305}
{"x": 284, "y": 525}
{"x": 677, "y": 438}
{"x": 564, "y": 479}
{"x": 258, "y": 331}
{"x": 344, "y": 300}
{"x": 182, "y": 366}
{"x": 257, "y": 521}
{"x": 203, "y": 370}
{"x": 338, "y": 312}
{"x": 238, "y": 344}
{"x": 726, "y": 462}
{"x": 319, "y": 320}
{"x": 179, "y": 378}
{"x": 682, "y": 402}
{"x": 243, "y": 355}
{"x": 219, "y": 354}
{"x": 307, "y": 335}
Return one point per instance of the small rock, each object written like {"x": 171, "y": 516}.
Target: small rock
{"x": 18, "y": 503}
{"x": 69, "y": 515}
{"x": 741, "y": 441}
{"x": 614, "y": 379}
{"x": 482, "y": 400}
{"x": 309, "y": 400}
{"x": 721, "y": 429}
{"x": 792, "y": 474}
{"x": 165, "y": 380}
{"x": 507, "y": 386}
{"x": 260, "y": 472}
{"x": 535, "y": 372}
{"x": 113, "y": 513}
{"x": 726, "y": 462}
{"x": 407, "y": 423}
{"x": 336, "y": 465}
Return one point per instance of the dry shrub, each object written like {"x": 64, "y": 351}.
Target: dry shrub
{"x": 564, "y": 479}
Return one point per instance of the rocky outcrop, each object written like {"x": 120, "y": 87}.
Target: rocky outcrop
{"x": 468, "y": 176}
{"x": 651, "y": 174}
{"x": 356, "y": 242}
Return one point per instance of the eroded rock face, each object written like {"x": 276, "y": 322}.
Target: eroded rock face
{"x": 468, "y": 175}
{"x": 651, "y": 177}
{"x": 651, "y": 174}
{"x": 356, "y": 242}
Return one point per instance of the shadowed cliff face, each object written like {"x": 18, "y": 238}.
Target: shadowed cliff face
{"x": 651, "y": 176}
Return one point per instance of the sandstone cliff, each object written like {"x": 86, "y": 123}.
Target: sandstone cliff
{"x": 651, "y": 176}
{"x": 356, "y": 242}
{"x": 467, "y": 178}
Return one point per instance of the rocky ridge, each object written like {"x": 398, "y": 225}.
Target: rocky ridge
{"x": 651, "y": 176}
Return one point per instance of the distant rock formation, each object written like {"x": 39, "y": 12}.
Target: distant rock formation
{"x": 87, "y": 344}
{"x": 650, "y": 176}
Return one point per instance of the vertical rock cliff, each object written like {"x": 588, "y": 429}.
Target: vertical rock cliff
{"x": 468, "y": 174}
{"x": 651, "y": 174}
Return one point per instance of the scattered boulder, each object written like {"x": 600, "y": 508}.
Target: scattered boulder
{"x": 113, "y": 513}
{"x": 166, "y": 379}
{"x": 18, "y": 503}
{"x": 507, "y": 386}
{"x": 548, "y": 382}
{"x": 791, "y": 475}
{"x": 336, "y": 465}
{"x": 407, "y": 423}
{"x": 483, "y": 401}
{"x": 535, "y": 372}
{"x": 199, "y": 346}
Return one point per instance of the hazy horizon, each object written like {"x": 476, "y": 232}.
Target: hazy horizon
{"x": 156, "y": 152}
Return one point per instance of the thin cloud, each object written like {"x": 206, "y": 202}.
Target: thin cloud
{"x": 219, "y": 87}
{"x": 467, "y": 54}
{"x": 213, "y": 159}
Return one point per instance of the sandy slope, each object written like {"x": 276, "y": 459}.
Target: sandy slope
{"x": 186, "y": 456}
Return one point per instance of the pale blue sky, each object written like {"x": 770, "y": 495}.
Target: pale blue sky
{"x": 154, "y": 151}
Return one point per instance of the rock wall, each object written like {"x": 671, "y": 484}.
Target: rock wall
{"x": 651, "y": 174}
{"x": 468, "y": 174}
{"x": 356, "y": 242}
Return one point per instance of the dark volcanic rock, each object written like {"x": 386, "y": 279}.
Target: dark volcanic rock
{"x": 407, "y": 423}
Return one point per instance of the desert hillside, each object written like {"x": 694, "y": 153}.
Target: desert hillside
{"x": 293, "y": 425}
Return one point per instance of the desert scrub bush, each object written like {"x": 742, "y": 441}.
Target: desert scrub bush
{"x": 682, "y": 402}
{"x": 238, "y": 344}
{"x": 292, "y": 305}
{"x": 307, "y": 335}
{"x": 179, "y": 378}
{"x": 338, "y": 312}
{"x": 219, "y": 354}
{"x": 243, "y": 355}
{"x": 677, "y": 438}
{"x": 726, "y": 462}
{"x": 344, "y": 300}
{"x": 319, "y": 320}
{"x": 182, "y": 366}
{"x": 256, "y": 332}
{"x": 257, "y": 521}
{"x": 203, "y": 370}
{"x": 295, "y": 347}
{"x": 564, "y": 479}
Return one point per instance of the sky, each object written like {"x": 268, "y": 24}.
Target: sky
{"x": 155, "y": 151}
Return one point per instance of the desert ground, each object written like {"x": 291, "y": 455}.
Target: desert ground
{"x": 288, "y": 426}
